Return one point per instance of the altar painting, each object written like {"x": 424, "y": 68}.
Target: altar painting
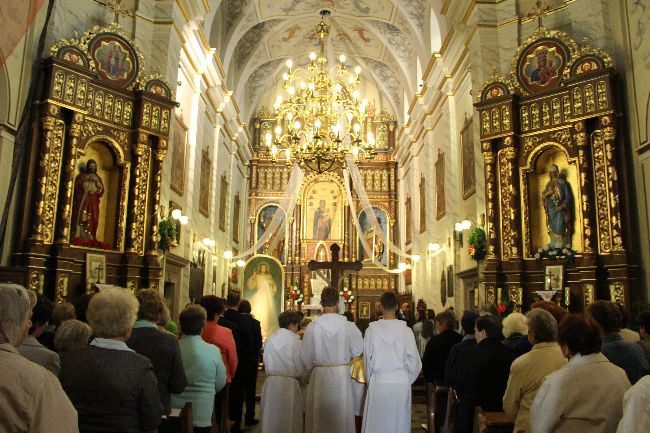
{"x": 275, "y": 245}
{"x": 375, "y": 243}
{"x": 323, "y": 203}
{"x": 263, "y": 288}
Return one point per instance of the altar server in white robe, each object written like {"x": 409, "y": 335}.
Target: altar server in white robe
{"x": 329, "y": 343}
{"x": 392, "y": 364}
{"x": 281, "y": 406}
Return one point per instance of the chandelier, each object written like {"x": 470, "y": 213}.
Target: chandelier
{"x": 319, "y": 116}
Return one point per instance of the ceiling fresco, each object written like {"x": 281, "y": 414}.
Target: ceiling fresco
{"x": 257, "y": 36}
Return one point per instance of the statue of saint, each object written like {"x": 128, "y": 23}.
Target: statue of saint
{"x": 88, "y": 189}
{"x": 263, "y": 301}
{"x": 558, "y": 206}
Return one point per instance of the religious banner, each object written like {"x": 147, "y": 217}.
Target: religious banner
{"x": 378, "y": 244}
{"x": 263, "y": 288}
{"x": 275, "y": 245}
{"x": 235, "y": 219}
{"x": 223, "y": 202}
{"x": 423, "y": 205}
{"x": 409, "y": 221}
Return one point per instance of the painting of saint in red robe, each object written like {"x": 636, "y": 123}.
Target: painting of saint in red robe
{"x": 88, "y": 190}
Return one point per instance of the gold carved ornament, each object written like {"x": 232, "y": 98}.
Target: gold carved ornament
{"x": 490, "y": 295}
{"x": 589, "y": 294}
{"x": 617, "y": 293}
{"x": 142, "y": 165}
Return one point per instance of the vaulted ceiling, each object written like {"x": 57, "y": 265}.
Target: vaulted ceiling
{"x": 390, "y": 39}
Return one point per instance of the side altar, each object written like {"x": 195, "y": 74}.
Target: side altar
{"x": 94, "y": 169}
{"x": 556, "y": 177}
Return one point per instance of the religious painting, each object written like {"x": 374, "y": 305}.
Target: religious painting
{"x": 440, "y": 185}
{"x": 423, "y": 204}
{"x": 364, "y": 310}
{"x": 179, "y": 227}
{"x": 274, "y": 246}
{"x": 234, "y": 270}
{"x": 323, "y": 215}
{"x": 235, "y": 219}
{"x": 88, "y": 192}
{"x": 179, "y": 147}
{"x": 263, "y": 288}
{"x": 113, "y": 60}
{"x": 376, "y": 243}
{"x": 554, "y": 278}
{"x": 408, "y": 273}
{"x": 468, "y": 169}
{"x": 542, "y": 64}
{"x": 450, "y": 281}
{"x": 443, "y": 289}
{"x": 409, "y": 220}
{"x": 223, "y": 202}
{"x": 95, "y": 269}
{"x": 204, "y": 184}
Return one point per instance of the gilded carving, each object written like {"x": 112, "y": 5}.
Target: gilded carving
{"x": 589, "y": 294}
{"x": 51, "y": 153}
{"x": 534, "y": 114}
{"x": 57, "y": 91}
{"x": 555, "y": 105}
{"x": 108, "y": 107}
{"x": 377, "y": 177}
{"x": 36, "y": 282}
{"x": 590, "y": 102}
{"x": 563, "y": 137}
{"x": 155, "y": 118}
{"x": 384, "y": 180}
{"x": 577, "y": 101}
{"x": 118, "y": 110}
{"x": 509, "y": 236}
{"x": 90, "y": 100}
{"x": 546, "y": 115}
{"x": 139, "y": 206}
{"x": 81, "y": 92}
{"x": 99, "y": 103}
{"x": 490, "y": 182}
{"x": 617, "y": 293}
{"x": 525, "y": 121}
{"x": 505, "y": 118}
{"x": 128, "y": 108}
{"x": 61, "y": 288}
{"x": 146, "y": 115}
{"x": 120, "y": 136}
{"x": 90, "y": 129}
{"x": 566, "y": 106}
{"x": 496, "y": 120}
{"x": 601, "y": 90}
{"x": 530, "y": 143}
{"x": 485, "y": 123}
{"x": 490, "y": 295}
{"x": 70, "y": 81}
{"x": 164, "y": 123}
{"x": 516, "y": 295}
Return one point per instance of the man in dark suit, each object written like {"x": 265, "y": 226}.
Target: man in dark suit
{"x": 467, "y": 323}
{"x": 480, "y": 373}
{"x": 251, "y": 327}
{"x": 438, "y": 347}
{"x": 161, "y": 347}
{"x": 245, "y": 342}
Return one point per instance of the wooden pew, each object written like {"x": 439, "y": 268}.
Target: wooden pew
{"x": 492, "y": 422}
{"x": 436, "y": 407}
{"x": 449, "y": 425}
{"x": 182, "y": 423}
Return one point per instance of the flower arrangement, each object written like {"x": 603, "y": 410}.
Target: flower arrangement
{"x": 549, "y": 251}
{"x": 166, "y": 234}
{"x": 503, "y": 307}
{"x": 91, "y": 243}
{"x": 296, "y": 295}
{"x": 477, "y": 244}
{"x": 348, "y": 297}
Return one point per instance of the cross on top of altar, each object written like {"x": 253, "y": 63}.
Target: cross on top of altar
{"x": 117, "y": 8}
{"x": 337, "y": 267}
{"x": 539, "y": 11}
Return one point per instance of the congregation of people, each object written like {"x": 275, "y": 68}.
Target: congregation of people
{"x": 113, "y": 363}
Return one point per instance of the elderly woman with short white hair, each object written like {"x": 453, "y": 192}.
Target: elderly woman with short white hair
{"x": 514, "y": 327}
{"x": 71, "y": 334}
{"x": 117, "y": 391}
{"x": 31, "y": 398}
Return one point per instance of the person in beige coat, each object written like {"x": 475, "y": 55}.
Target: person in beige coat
{"x": 529, "y": 370}
{"x": 586, "y": 395}
{"x": 31, "y": 397}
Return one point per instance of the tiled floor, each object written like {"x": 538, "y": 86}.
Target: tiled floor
{"x": 418, "y": 414}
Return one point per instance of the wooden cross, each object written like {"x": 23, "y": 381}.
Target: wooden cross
{"x": 538, "y": 12}
{"x": 336, "y": 266}
{"x": 116, "y": 6}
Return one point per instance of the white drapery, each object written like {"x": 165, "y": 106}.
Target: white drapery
{"x": 286, "y": 204}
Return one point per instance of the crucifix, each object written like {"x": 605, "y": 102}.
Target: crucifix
{"x": 336, "y": 266}
{"x": 117, "y": 8}
{"x": 538, "y": 12}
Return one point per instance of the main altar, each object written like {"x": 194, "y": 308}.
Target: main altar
{"x": 558, "y": 203}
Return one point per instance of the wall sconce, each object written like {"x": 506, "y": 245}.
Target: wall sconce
{"x": 209, "y": 243}
{"x": 178, "y": 215}
{"x": 466, "y": 224}
{"x": 402, "y": 266}
{"x": 415, "y": 258}
{"x": 240, "y": 263}
{"x": 227, "y": 255}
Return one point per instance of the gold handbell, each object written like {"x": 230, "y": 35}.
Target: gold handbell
{"x": 357, "y": 369}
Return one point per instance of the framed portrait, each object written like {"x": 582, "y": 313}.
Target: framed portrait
{"x": 443, "y": 289}
{"x": 450, "y": 281}
{"x": 364, "y": 310}
{"x": 440, "y": 185}
{"x": 323, "y": 214}
{"x": 235, "y": 219}
{"x": 263, "y": 287}
{"x": 554, "y": 278}
{"x": 179, "y": 149}
{"x": 408, "y": 273}
{"x": 468, "y": 163}
{"x": 223, "y": 202}
{"x": 204, "y": 185}
{"x": 95, "y": 269}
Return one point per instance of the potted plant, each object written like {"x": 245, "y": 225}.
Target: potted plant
{"x": 477, "y": 244}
